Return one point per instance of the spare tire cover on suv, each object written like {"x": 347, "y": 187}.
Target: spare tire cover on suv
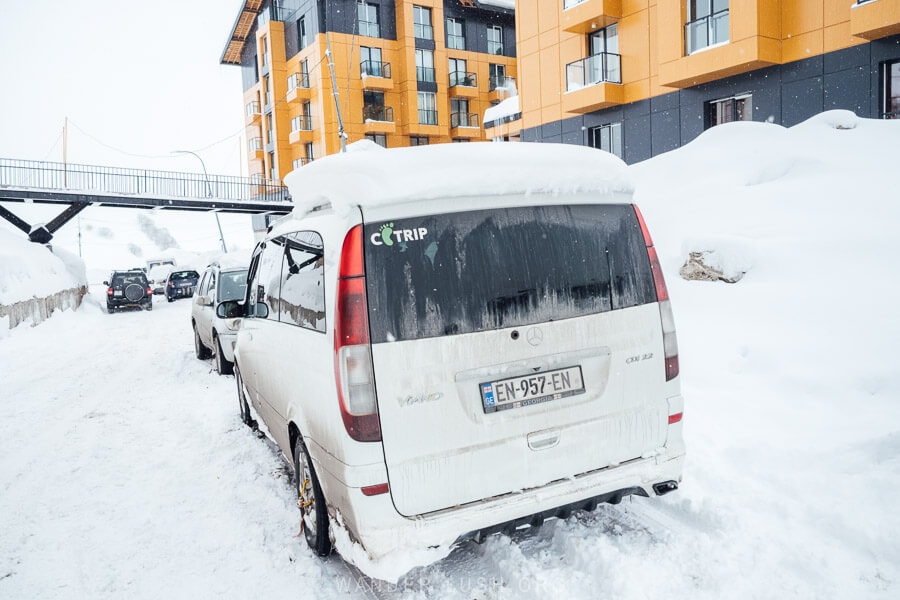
{"x": 134, "y": 292}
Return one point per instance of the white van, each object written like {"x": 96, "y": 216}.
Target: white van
{"x": 453, "y": 340}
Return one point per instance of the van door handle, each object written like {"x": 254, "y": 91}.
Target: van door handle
{"x": 541, "y": 440}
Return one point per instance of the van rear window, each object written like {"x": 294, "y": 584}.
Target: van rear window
{"x": 480, "y": 270}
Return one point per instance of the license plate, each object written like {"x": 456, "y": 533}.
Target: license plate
{"x": 527, "y": 390}
{"x": 118, "y": 293}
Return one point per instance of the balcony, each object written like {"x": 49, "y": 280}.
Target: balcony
{"x": 301, "y": 129}
{"x": 461, "y": 119}
{"x": 376, "y": 75}
{"x": 378, "y": 118}
{"x": 593, "y": 83}
{"x": 585, "y": 16}
{"x": 599, "y": 68}
{"x": 464, "y": 85}
{"x": 711, "y": 30}
{"x": 255, "y": 147}
{"x": 875, "y": 20}
{"x": 253, "y": 112}
{"x": 298, "y": 87}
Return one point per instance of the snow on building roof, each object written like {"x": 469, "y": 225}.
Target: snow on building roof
{"x": 369, "y": 175}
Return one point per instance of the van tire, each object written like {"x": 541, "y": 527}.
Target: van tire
{"x": 200, "y": 350}
{"x": 223, "y": 366}
{"x": 311, "y": 500}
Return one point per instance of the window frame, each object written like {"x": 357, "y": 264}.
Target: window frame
{"x": 452, "y": 24}
{"x": 615, "y": 132}
{"x": 890, "y": 97}
{"x": 420, "y": 25}
{"x": 495, "y": 46}
{"x": 363, "y": 24}
{"x": 738, "y": 104}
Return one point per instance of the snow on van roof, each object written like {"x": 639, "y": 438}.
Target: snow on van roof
{"x": 369, "y": 175}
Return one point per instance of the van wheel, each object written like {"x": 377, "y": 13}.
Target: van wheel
{"x": 313, "y": 512}
{"x": 223, "y": 366}
{"x": 246, "y": 419}
{"x": 200, "y": 350}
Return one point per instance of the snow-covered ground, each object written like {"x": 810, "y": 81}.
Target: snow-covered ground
{"x": 125, "y": 472}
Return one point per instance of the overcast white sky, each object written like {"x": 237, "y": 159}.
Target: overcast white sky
{"x": 137, "y": 80}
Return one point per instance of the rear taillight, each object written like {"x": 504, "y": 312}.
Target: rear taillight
{"x": 149, "y": 291}
{"x": 352, "y": 352}
{"x": 670, "y": 341}
{"x": 109, "y": 291}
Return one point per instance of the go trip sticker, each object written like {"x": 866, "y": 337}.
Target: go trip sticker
{"x": 388, "y": 236}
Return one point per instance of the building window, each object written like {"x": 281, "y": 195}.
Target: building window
{"x": 604, "y": 52}
{"x": 270, "y": 136}
{"x": 301, "y": 33}
{"x": 607, "y": 137}
{"x": 707, "y": 24}
{"x": 264, "y": 51}
{"x": 427, "y": 109}
{"x": 459, "y": 75}
{"x": 890, "y": 85}
{"x": 273, "y": 168}
{"x": 422, "y": 28}
{"x": 370, "y": 62}
{"x": 726, "y": 110}
{"x": 424, "y": 65}
{"x": 267, "y": 92}
{"x": 459, "y": 114}
{"x": 309, "y": 152}
{"x": 456, "y": 34}
{"x": 374, "y": 108}
{"x": 367, "y": 18}
{"x": 418, "y": 140}
{"x": 378, "y": 138}
{"x": 495, "y": 39}
{"x": 498, "y": 76}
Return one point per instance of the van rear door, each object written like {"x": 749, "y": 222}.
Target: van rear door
{"x": 512, "y": 347}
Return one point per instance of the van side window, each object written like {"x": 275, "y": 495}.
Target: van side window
{"x": 266, "y": 284}
{"x": 302, "y": 298}
{"x": 203, "y": 287}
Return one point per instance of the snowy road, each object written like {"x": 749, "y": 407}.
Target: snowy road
{"x": 126, "y": 473}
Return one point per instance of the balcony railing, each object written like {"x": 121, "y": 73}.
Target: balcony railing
{"x": 461, "y": 119}
{"x": 571, "y": 3}
{"x": 594, "y": 69}
{"x": 708, "y": 31}
{"x": 464, "y": 79}
{"x": 299, "y": 162}
{"x": 502, "y": 82}
{"x": 423, "y": 31}
{"x": 302, "y": 123}
{"x": 369, "y": 28}
{"x": 298, "y": 80}
{"x": 425, "y": 74}
{"x": 428, "y": 117}
{"x": 255, "y": 144}
{"x": 253, "y": 109}
{"x": 375, "y": 68}
{"x": 376, "y": 112}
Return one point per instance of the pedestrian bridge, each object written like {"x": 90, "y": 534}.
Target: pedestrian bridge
{"x": 78, "y": 186}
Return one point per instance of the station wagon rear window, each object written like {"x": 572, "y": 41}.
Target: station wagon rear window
{"x": 473, "y": 271}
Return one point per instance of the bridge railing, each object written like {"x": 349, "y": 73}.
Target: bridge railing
{"x": 138, "y": 182}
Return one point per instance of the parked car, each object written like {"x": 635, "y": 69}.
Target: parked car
{"x": 181, "y": 284}
{"x": 214, "y": 335}
{"x": 128, "y": 289}
{"x": 443, "y": 358}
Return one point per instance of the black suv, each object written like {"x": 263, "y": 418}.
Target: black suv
{"x": 128, "y": 289}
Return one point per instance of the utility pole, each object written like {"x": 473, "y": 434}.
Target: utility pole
{"x": 337, "y": 104}
{"x": 65, "y": 144}
{"x": 209, "y": 193}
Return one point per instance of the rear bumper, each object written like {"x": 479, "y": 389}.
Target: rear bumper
{"x": 381, "y": 530}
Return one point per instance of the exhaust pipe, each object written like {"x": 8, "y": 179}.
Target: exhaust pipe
{"x": 665, "y": 487}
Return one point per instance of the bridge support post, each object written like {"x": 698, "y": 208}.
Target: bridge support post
{"x": 42, "y": 234}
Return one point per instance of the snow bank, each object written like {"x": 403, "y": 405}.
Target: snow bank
{"x": 34, "y": 271}
{"x": 368, "y": 175}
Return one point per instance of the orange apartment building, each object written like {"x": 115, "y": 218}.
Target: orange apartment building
{"x": 405, "y": 73}
{"x": 641, "y": 77}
